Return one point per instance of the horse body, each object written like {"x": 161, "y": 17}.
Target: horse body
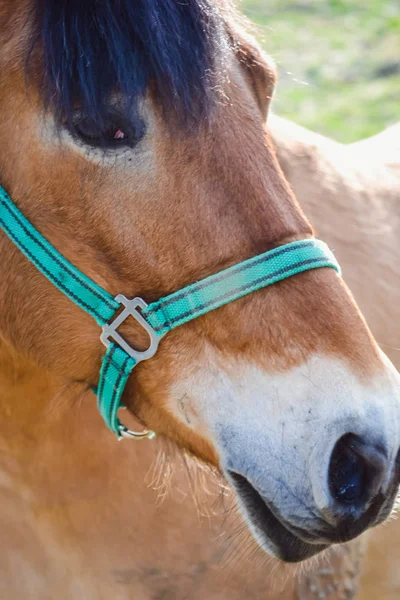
{"x": 275, "y": 389}
{"x": 350, "y": 192}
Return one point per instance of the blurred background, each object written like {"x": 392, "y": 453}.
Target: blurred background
{"x": 338, "y": 62}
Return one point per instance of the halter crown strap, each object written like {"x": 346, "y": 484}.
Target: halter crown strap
{"x": 161, "y": 316}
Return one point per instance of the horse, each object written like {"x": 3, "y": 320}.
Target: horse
{"x": 356, "y": 186}
{"x": 351, "y": 194}
{"x": 140, "y": 165}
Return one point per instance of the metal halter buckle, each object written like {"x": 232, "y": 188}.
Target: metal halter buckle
{"x": 131, "y": 310}
{"x": 110, "y": 332}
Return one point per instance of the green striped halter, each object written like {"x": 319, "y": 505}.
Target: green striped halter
{"x": 159, "y": 317}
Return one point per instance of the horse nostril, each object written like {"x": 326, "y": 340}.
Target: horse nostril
{"x": 356, "y": 471}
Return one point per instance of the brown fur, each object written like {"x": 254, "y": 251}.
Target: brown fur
{"x": 77, "y": 518}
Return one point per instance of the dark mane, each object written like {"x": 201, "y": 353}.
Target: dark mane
{"x": 92, "y": 48}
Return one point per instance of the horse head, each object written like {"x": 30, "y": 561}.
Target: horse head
{"x": 133, "y": 138}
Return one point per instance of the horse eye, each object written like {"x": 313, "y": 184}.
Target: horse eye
{"x": 114, "y": 131}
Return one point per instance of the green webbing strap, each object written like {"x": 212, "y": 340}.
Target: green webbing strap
{"x": 159, "y": 317}
{"x": 79, "y": 288}
{"x": 115, "y": 370}
{"x": 237, "y": 281}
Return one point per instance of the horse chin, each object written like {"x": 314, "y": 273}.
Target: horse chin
{"x": 291, "y": 543}
{"x": 271, "y": 533}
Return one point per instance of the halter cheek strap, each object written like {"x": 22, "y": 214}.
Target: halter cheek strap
{"x": 159, "y": 317}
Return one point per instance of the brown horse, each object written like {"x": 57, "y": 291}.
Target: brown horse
{"x": 352, "y": 192}
{"x": 133, "y": 137}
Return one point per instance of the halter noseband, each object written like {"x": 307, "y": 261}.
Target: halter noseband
{"x": 159, "y": 317}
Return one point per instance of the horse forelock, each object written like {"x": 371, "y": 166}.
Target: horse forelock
{"x": 91, "y": 50}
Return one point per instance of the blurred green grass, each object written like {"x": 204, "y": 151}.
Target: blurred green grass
{"x": 338, "y": 62}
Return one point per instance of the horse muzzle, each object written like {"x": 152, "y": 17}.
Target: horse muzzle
{"x": 314, "y": 464}
{"x": 358, "y": 501}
